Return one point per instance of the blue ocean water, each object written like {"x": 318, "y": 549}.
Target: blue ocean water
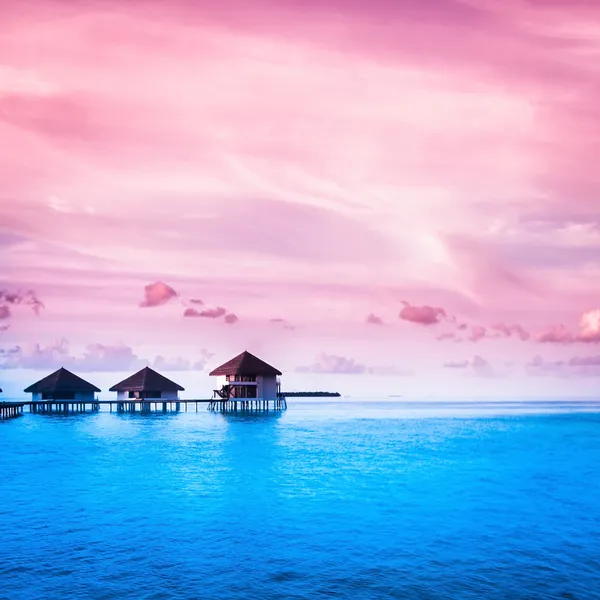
{"x": 341, "y": 500}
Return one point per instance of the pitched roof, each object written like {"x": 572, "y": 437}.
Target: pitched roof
{"x": 61, "y": 381}
{"x": 245, "y": 364}
{"x": 146, "y": 380}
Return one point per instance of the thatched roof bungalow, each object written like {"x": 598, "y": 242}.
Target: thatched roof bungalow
{"x": 147, "y": 384}
{"x": 246, "y": 376}
{"x": 62, "y": 385}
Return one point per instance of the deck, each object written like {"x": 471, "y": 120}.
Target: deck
{"x": 9, "y": 410}
{"x": 14, "y": 409}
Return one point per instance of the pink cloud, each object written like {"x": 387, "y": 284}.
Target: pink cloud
{"x": 476, "y": 367}
{"x": 332, "y": 364}
{"x": 451, "y": 335}
{"x": 8, "y": 299}
{"x": 510, "y": 330}
{"x": 477, "y": 333}
{"x": 157, "y": 294}
{"x": 590, "y": 327}
{"x": 422, "y": 315}
{"x": 457, "y": 364}
{"x": 340, "y": 365}
{"x": 577, "y": 366}
{"x": 94, "y": 358}
{"x": 283, "y": 322}
{"x": 213, "y": 313}
{"x": 195, "y": 301}
{"x": 373, "y": 319}
{"x": 589, "y": 331}
{"x": 557, "y": 334}
{"x": 481, "y": 367}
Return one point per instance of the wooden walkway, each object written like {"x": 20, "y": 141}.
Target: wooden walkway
{"x": 9, "y": 410}
{"x": 14, "y": 409}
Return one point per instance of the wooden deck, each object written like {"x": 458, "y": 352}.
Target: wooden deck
{"x": 13, "y": 409}
{"x": 9, "y": 410}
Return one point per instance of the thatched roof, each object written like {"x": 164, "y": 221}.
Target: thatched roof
{"x": 245, "y": 364}
{"x": 146, "y": 380}
{"x": 61, "y": 381}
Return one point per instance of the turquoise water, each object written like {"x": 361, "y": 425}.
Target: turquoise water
{"x": 340, "y": 500}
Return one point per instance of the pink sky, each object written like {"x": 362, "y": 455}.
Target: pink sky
{"x": 393, "y": 197}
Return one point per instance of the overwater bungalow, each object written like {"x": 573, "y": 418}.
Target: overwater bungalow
{"x": 62, "y": 385}
{"x": 246, "y": 377}
{"x": 147, "y": 384}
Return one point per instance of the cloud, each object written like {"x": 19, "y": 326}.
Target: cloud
{"x": 477, "y": 333}
{"x": 9, "y": 299}
{"x": 422, "y": 315}
{"x": 481, "y": 367}
{"x": 212, "y": 313}
{"x": 590, "y": 327}
{"x": 557, "y": 334}
{"x": 340, "y": 365}
{"x": 577, "y": 366}
{"x": 589, "y": 331}
{"x": 460, "y": 364}
{"x": 283, "y": 322}
{"x": 157, "y": 294}
{"x": 195, "y": 301}
{"x": 510, "y": 330}
{"x": 373, "y": 319}
{"x": 94, "y": 358}
{"x": 476, "y": 367}
{"x": 450, "y": 335}
{"x": 182, "y": 364}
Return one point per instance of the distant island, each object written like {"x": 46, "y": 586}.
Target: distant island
{"x": 310, "y": 394}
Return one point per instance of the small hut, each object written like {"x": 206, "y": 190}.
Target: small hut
{"x": 147, "y": 384}
{"x": 247, "y": 376}
{"x": 62, "y": 385}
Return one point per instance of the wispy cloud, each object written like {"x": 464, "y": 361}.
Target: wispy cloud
{"x": 341, "y": 365}
{"x": 475, "y": 367}
{"x": 94, "y": 358}
{"x": 373, "y": 319}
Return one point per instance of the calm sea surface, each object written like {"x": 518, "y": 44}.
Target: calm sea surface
{"x": 342, "y": 500}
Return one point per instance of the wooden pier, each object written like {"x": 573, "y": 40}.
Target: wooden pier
{"x": 143, "y": 406}
{"x": 247, "y": 404}
{"x": 9, "y": 410}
